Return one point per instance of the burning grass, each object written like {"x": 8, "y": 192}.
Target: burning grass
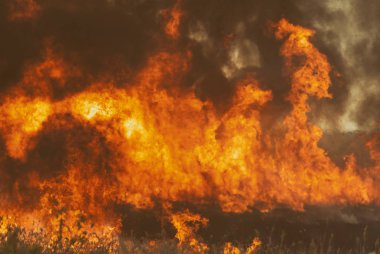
{"x": 14, "y": 242}
{"x": 284, "y": 231}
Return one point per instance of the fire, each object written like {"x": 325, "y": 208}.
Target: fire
{"x": 172, "y": 27}
{"x": 149, "y": 140}
{"x": 186, "y": 225}
{"x": 133, "y": 126}
{"x": 20, "y": 120}
{"x": 230, "y": 249}
{"x": 256, "y": 243}
{"x": 304, "y": 167}
{"x": 93, "y": 106}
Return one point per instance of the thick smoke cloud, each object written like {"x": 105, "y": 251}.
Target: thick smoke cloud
{"x": 92, "y": 34}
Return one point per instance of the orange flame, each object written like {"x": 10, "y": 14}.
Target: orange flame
{"x": 230, "y": 249}
{"x": 151, "y": 141}
{"x": 256, "y": 243}
{"x": 186, "y": 225}
{"x": 172, "y": 27}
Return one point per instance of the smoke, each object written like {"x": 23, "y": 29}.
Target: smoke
{"x": 231, "y": 41}
{"x": 95, "y": 35}
{"x": 350, "y": 30}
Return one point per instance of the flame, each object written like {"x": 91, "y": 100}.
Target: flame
{"x": 21, "y": 119}
{"x": 172, "y": 26}
{"x": 230, "y": 249}
{"x": 304, "y": 167}
{"x": 256, "y": 243}
{"x": 150, "y": 140}
{"x": 186, "y": 225}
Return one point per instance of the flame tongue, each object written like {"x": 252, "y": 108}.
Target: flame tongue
{"x": 305, "y": 168}
{"x": 144, "y": 142}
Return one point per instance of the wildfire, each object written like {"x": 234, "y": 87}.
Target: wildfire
{"x": 150, "y": 141}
